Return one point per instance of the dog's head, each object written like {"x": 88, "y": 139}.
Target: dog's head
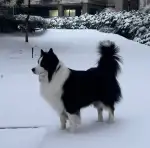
{"x": 47, "y": 63}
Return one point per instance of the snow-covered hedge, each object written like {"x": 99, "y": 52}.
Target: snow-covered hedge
{"x": 35, "y": 21}
{"x": 22, "y": 17}
{"x": 133, "y": 25}
{"x": 13, "y": 23}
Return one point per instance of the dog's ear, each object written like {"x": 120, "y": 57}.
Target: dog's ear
{"x": 42, "y": 52}
{"x": 51, "y": 50}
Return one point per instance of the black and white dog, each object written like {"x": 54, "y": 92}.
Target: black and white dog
{"x": 68, "y": 91}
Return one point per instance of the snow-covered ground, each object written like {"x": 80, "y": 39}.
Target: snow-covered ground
{"x": 22, "y": 106}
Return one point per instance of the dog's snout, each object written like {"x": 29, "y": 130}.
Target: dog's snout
{"x": 33, "y": 70}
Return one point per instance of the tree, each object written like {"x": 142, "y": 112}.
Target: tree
{"x": 3, "y": 2}
{"x": 19, "y": 3}
{"x": 27, "y": 21}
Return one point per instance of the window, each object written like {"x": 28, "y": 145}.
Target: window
{"x": 53, "y": 13}
{"x": 93, "y": 11}
{"x": 70, "y": 12}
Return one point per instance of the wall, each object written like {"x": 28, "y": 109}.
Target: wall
{"x": 111, "y": 2}
{"x": 125, "y": 5}
{"x": 118, "y": 5}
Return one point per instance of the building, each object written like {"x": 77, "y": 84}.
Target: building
{"x": 144, "y": 3}
{"x": 127, "y": 4}
{"x": 51, "y": 8}
{"x": 130, "y": 4}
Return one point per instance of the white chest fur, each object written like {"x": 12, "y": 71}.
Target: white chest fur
{"x": 52, "y": 91}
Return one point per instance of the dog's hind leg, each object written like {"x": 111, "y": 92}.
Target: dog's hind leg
{"x": 111, "y": 114}
{"x": 110, "y": 110}
{"x": 100, "y": 114}
{"x": 98, "y": 106}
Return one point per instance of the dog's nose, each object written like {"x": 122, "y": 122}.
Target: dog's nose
{"x": 33, "y": 70}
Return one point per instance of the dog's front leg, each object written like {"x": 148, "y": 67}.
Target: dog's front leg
{"x": 74, "y": 120}
{"x": 63, "y": 120}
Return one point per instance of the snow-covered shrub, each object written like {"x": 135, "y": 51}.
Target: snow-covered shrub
{"x": 109, "y": 9}
{"x": 34, "y": 21}
{"x": 143, "y": 37}
{"x": 13, "y": 23}
{"x": 132, "y": 25}
{"x": 107, "y": 30}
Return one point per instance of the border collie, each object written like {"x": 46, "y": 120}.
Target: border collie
{"x": 68, "y": 90}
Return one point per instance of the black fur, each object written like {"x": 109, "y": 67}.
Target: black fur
{"x": 49, "y": 62}
{"x": 84, "y": 88}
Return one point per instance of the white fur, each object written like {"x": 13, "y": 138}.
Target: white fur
{"x": 100, "y": 115}
{"x": 100, "y": 106}
{"x": 40, "y": 70}
{"x": 74, "y": 121}
{"x": 52, "y": 91}
{"x": 63, "y": 120}
{"x": 106, "y": 43}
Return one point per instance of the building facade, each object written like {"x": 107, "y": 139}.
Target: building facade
{"x": 144, "y": 3}
{"x": 126, "y": 4}
{"x": 130, "y": 4}
{"x": 51, "y": 8}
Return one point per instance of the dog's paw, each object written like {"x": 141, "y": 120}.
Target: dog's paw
{"x": 111, "y": 120}
{"x": 73, "y": 128}
{"x": 62, "y": 127}
{"x": 100, "y": 120}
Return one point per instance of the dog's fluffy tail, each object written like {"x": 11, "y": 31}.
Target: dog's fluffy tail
{"x": 108, "y": 67}
{"x": 109, "y": 61}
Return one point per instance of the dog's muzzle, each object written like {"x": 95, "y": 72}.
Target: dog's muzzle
{"x": 33, "y": 70}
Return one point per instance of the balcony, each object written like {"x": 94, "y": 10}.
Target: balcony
{"x": 70, "y": 2}
{"x": 54, "y": 2}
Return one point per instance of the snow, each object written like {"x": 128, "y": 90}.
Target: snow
{"x": 22, "y": 106}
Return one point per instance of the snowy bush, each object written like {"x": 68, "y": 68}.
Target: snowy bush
{"x": 34, "y": 21}
{"x": 32, "y": 18}
{"x": 132, "y": 25}
{"x": 9, "y": 24}
{"x": 109, "y": 9}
